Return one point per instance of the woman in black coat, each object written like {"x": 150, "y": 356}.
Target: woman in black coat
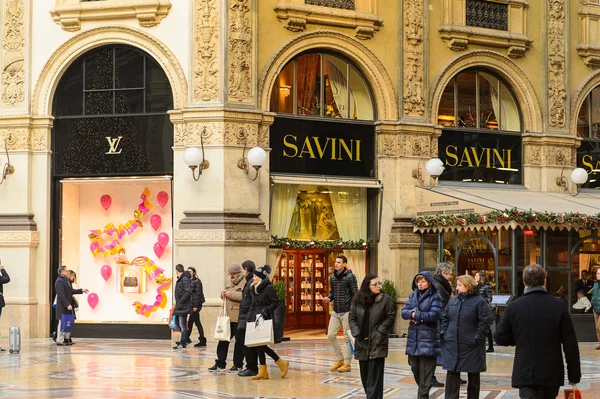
{"x": 264, "y": 302}
{"x": 463, "y": 350}
{"x": 197, "y": 301}
{"x": 371, "y": 319}
{"x": 484, "y": 288}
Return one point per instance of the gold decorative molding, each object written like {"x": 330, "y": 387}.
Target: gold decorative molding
{"x": 407, "y": 140}
{"x": 25, "y": 133}
{"x": 374, "y": 72}
{"x": 13, "y": 53}
{"x": 240, "y": 52}
{"x": 589, "y": 28}
{"x": 457, "y": 35}
{"x": 557, "y": 85}
{"x": 19, "y": 239}
{"x": 414, "y": 68}
{"x": 294, "y": 15}
{"x": 70, "y": 13}
{"x": 207, "y": 50}
{"x": 550, "y": 149}
{"x": 89, "y": 39}
{"x": 511, "y": 73}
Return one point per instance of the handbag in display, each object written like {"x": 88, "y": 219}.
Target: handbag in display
{"x": 130, "y": 281}
{"x": 222, "y": 329}
{"x": 259, "y": 332}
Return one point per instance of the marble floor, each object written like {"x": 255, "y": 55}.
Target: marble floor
{"x": 149, "y": 369}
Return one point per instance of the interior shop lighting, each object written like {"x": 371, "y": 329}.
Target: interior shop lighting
{"x": 7, "y": 169}
{"x": 578, "y": 176}
{"x": 257, "y": 156}
{"x": 194, "y": 158}
{"x": 434, "y": 167}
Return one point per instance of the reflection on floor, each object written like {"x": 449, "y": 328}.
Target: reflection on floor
{"x": 147, "y": 369}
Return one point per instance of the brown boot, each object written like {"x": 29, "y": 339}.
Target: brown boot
{"x": 337, "y": 365}
{"x": 283, "y": 366}
{"x": 345, "y": 368}
{"x": 263, "y": 374}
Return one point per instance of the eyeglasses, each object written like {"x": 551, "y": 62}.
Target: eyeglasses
{"x": 376, "y": 284}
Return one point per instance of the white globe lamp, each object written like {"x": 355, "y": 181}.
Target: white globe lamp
{"x": 257, "y": 157}
{"x": 579, "y": 176}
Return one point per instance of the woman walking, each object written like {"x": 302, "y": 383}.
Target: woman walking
{"x": 463, "y": 350}
{"x": 371, "y": 319}
{"x": 72, "y": 276}
{"x": 264, "y": 302}
{"x": 423, "y": 346}
{"x": 197, "y": 301}
{"x": 484, "y": 288}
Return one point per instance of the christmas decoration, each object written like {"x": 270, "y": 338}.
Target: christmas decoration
{"x": 288, "y": 243}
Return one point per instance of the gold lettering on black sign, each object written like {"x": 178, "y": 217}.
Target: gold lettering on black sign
{"x": 335, "y": 149}
{"x": 114, "y": 144}
{"x": 587, "y": 160}
{"x": 478, "y": 157}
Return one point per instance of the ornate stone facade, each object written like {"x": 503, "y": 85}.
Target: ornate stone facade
{"x": 589, "y": 45}
{"x": 414, "y": 66}
{"x": 207, "y": 50}
{"x": 13, "y": 53}
{"x": 239, "y": 54}
{"x": 557, "y": 91}
{"x": 24, "y": 133}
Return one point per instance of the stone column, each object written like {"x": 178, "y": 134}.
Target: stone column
{"x": 223, "y": 217}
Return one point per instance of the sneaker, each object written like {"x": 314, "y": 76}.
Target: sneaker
{"x": 435, "y": 383}
{"x": 216, "y": 368}
{"x": 235, "y": 369}
{"x": 179, "y": 346}
{"x": 247, "y": 373}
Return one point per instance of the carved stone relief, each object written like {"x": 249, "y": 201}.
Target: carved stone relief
{"x": 240, "y": 51}
{"x": 206, "y": 51}
{"x": 13, "y": 53}
{"x": 414, "y": 102}
{"x": 236, "y": 134}
{"x": 557, "y": 93}
{"x": 17, "y": 138}
{"x": 15, "y": 239}
{"x": 533, "y": 155}
{"x": 556, "y": 156}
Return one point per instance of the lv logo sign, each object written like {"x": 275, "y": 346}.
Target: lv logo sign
{"x": 114, "y": 145}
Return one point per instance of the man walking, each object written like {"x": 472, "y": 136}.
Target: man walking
{"x": 441, "y": 281}
{"x": 64, "y": 303}
{"x": 343, "y": 286}
{"x": 4, "y": 279}
{"x": 183, "y": 305}
{"x": 538, "y": 324}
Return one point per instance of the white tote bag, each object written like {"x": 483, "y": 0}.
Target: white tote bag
{"x": 222, "y": 329}
{"x": 259, "y": 332}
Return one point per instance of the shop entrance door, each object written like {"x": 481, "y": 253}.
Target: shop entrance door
{"x": 477, "y": 253}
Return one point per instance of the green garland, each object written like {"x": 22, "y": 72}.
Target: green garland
{"x": 510, "y": 215}
{"x": 288, "y": 243}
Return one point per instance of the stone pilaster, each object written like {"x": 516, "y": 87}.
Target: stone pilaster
{"x": 13, "y": 56}
{"x": 557, "y": 60}
{"x": 413, "y": 77}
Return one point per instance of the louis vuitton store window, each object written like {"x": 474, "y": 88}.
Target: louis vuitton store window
{"x": 112, "y": 168}
{"x": 324, "y": 193}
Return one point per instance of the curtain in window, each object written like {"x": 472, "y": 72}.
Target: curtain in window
{"x": 504, "y": 105}
{"x": 273, "y": 261}
{"x": 284, "y": 201}
{"x": 339, "y": 88}
{"x": 357, "y": 260}
{"x": 350, "y": 208}
{"x": 307, "y": 75}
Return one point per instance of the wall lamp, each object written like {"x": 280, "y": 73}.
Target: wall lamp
{"x": 578, "y": 176}
{"x": 194, "y": 158}
{"x": 256, "y": 158}
{"x": 435, "y": 167}
{"x": 7, "y": 169}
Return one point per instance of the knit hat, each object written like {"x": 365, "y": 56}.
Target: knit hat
{"x": 234, "y": 268}
{"x": 263, "y": 272}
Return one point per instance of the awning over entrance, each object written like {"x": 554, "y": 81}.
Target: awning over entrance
{"x": 326, "y": 181}
{"x": 445, "y": 208}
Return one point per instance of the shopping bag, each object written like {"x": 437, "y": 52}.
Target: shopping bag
{"x": 572, "y": 393}
{"x": 173, "y": 320}
{"x": 67, "y": 322}
{"x": 259, "y": 332}
{"x": 350, "y": 341}
{"x": 222, "y": 329}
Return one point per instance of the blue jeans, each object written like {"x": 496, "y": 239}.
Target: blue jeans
{"x": 181, "y": 320}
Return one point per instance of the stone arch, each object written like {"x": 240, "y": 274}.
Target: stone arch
{"x": 514, "y": 77}
{"x": 364, "y": 59}
{"x": 591, "y": 81}
{"x": 72, "y": 49}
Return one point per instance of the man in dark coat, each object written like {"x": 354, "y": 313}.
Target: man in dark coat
{"x": 4, "y": 279}
{"x": 64, "y": 302}
{"x": 538, "y": 324}
{"x": 183, "y": 306}
{"x": 585, "y": 284}
{"x": 441, "y": 280}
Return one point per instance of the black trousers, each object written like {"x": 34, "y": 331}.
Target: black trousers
{"x": 223, "y": 348}
{"x": 453, "y": 385}
{"x": 371, "y": 375}
{"x": 423, "y": 368}
{"x": 539, "y": 392}
{"x": 261, "y": 351}
{"x": 195, "y": 319}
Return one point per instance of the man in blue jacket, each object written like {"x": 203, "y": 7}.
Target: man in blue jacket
{"x": 539, "y": 324}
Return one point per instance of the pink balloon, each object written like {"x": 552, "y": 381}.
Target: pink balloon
{"x": 158, "y": 250}
{"x": 162, "y": 198}
{"x": 155, "y": 221}
{"x": 106, "y": 272}
{"x": 106, "y": 201}
{"x": 163, "y": 240}
{"x": 93, "y": 300}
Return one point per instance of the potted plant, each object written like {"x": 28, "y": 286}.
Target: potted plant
{"x": 279, "y": 313}
{"x": 389, "y": 288}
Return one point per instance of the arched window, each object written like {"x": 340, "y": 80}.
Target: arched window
{"x": 479, "y": 100}
{"x": 588, "y": 128}
{"x": 322, "y": 85}
{"x": 110, "y": 109}
{"x": 482, "y": 120}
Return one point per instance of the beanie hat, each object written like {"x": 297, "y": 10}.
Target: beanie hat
{"x": 263, "y": 272}
{"x": 234, "y": 268}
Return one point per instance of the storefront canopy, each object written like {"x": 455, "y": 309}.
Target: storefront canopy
{"x": 446, "y": 208}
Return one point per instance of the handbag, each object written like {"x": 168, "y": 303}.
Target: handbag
{"x": 259, "y": 332}
{"x": 67, "y": 322}
{"x": 223, "y": 329}
{"x": 173, "y": 320}
{"x": 130, "y": 281}
{"x": 572, "y": 393}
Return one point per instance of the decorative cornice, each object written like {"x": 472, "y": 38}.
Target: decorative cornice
{"x": 458, "y": 37}
{"x": 148, "y": 12}
{"x": 230, "y": 228}
{"x": 17, "y": 222}
{"x": 557, "y": 85}
{"x": 227, "y": 220}
{"x": 23, "y": 132}
{"x": 402, "y": 235}
{"x": 12, "y": 239}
